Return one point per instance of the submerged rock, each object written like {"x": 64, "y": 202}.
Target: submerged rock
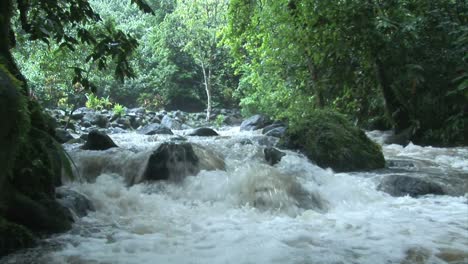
{"x": 98, "y": 140}
{"x": 153, "y": 129}
{"x": 76, "y": 202}
{"x": 203, "y": 132}
{"x": 254, "y": 122}
{"x": 401, "y": 185}
{"x": 273, "y": 155}
{"x": 330, "y": 140}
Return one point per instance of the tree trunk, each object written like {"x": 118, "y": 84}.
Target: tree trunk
{"x": 7, "y": 41}
{"x": 207, "y": 82}
{"x": 395, "y": 108}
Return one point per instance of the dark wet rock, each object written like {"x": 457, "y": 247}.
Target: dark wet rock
{"x": 254, "y": 122}
{"x": 171, "y": 123}
{"x": 156, "y": 120}
{"x": 116, "y": 130}
{"x": 401, "y": 185}
{"x": 86, "y": 124}
{"x": 98, "y": 140}
{"x": 208, "y": 159}
{"x": 331, "y": 141}
{"x": 171, "y": 161}
{"x": 84, "y": 137}
{"x": 135, "y": 121}
{"x": 232, "y": 120}
{"x": 39, "y": 214}
{"x": 62, "y": 135}
{"x": 402, "y": 138}
{"x": 14, "y": 237}
{"x": 76, "y": 202}
{"x": 277, "y": 132}
{"x": 176, "y": 160}
{"x": 272, "y": 126}
{"x": 273, "y": 155}
{"x": 124, "y": 122}
{"x": 203, "y": 132}
{"x": 97, "y": 119}
{"x": 136, "y": 111}
{"x": 77, "y": 115}
{"x": 70, "y": 125}
{"x": 153, "y": 129}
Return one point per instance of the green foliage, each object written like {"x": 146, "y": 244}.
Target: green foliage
{"x": 299, "y": 55}
{"x": 219, "y": 121}
{"x": 96, "y": 103}
{"x": 151, "y": 101}
{"x": 13, "y": 236}
{"x": 16, "y": 124}
{"x": 118, "y": 109}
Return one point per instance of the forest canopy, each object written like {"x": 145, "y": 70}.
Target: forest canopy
{"x": 385, "y": 64}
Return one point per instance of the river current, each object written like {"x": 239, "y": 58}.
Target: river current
{"x": 292, "y": 212}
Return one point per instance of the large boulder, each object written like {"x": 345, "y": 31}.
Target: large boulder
{"x": 255, "y": 122}
{"x": 171, "y": 123}
{"x": 171, "y": 161}
{"x": 176, "y": 160}
{"x": 268, "y": 128}
{"x": 203, "y": 132}
{"x": 97, "y": 119}
{"x": 402, "y": 185}
{"x": 98, "y": 140}
{"x": 331, "y": 141}
{"x": 277, "y": 132}
{"x": 153, "y": 129}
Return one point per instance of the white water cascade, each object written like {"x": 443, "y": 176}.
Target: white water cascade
{"x": 251, "y": 212}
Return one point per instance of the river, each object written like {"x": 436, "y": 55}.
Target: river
{"x": 293, "y": 212}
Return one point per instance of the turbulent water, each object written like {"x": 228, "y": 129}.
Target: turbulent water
{"x": 293, "y": 212}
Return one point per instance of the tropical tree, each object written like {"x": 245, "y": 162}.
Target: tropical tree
{"x": 199, "y": 24}
{"x": 300, "y": 55}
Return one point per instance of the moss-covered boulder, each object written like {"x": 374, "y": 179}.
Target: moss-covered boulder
{"x": 331, "y": 141}
{"x": 31, "y": 163}
{"x": 13, "y": 236}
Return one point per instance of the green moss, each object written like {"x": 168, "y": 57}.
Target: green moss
{"x": 330, "y": 140}
{"x": 33, "y": 161}
{"x": 13, "y": 237}
{"x": 15, "y": 120}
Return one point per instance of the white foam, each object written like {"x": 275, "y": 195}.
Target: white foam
{"x": 255, "y": 213}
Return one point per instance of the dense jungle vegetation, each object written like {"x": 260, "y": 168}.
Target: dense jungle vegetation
{"x": 399, "y": 64}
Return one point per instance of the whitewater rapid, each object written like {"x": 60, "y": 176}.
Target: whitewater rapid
{"x": 293, "y": 212}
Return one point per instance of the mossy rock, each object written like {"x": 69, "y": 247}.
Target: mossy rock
{"x": 331, "y": 141}
{"x": 15, "y": 122}
{"x": 13, "y": 237}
